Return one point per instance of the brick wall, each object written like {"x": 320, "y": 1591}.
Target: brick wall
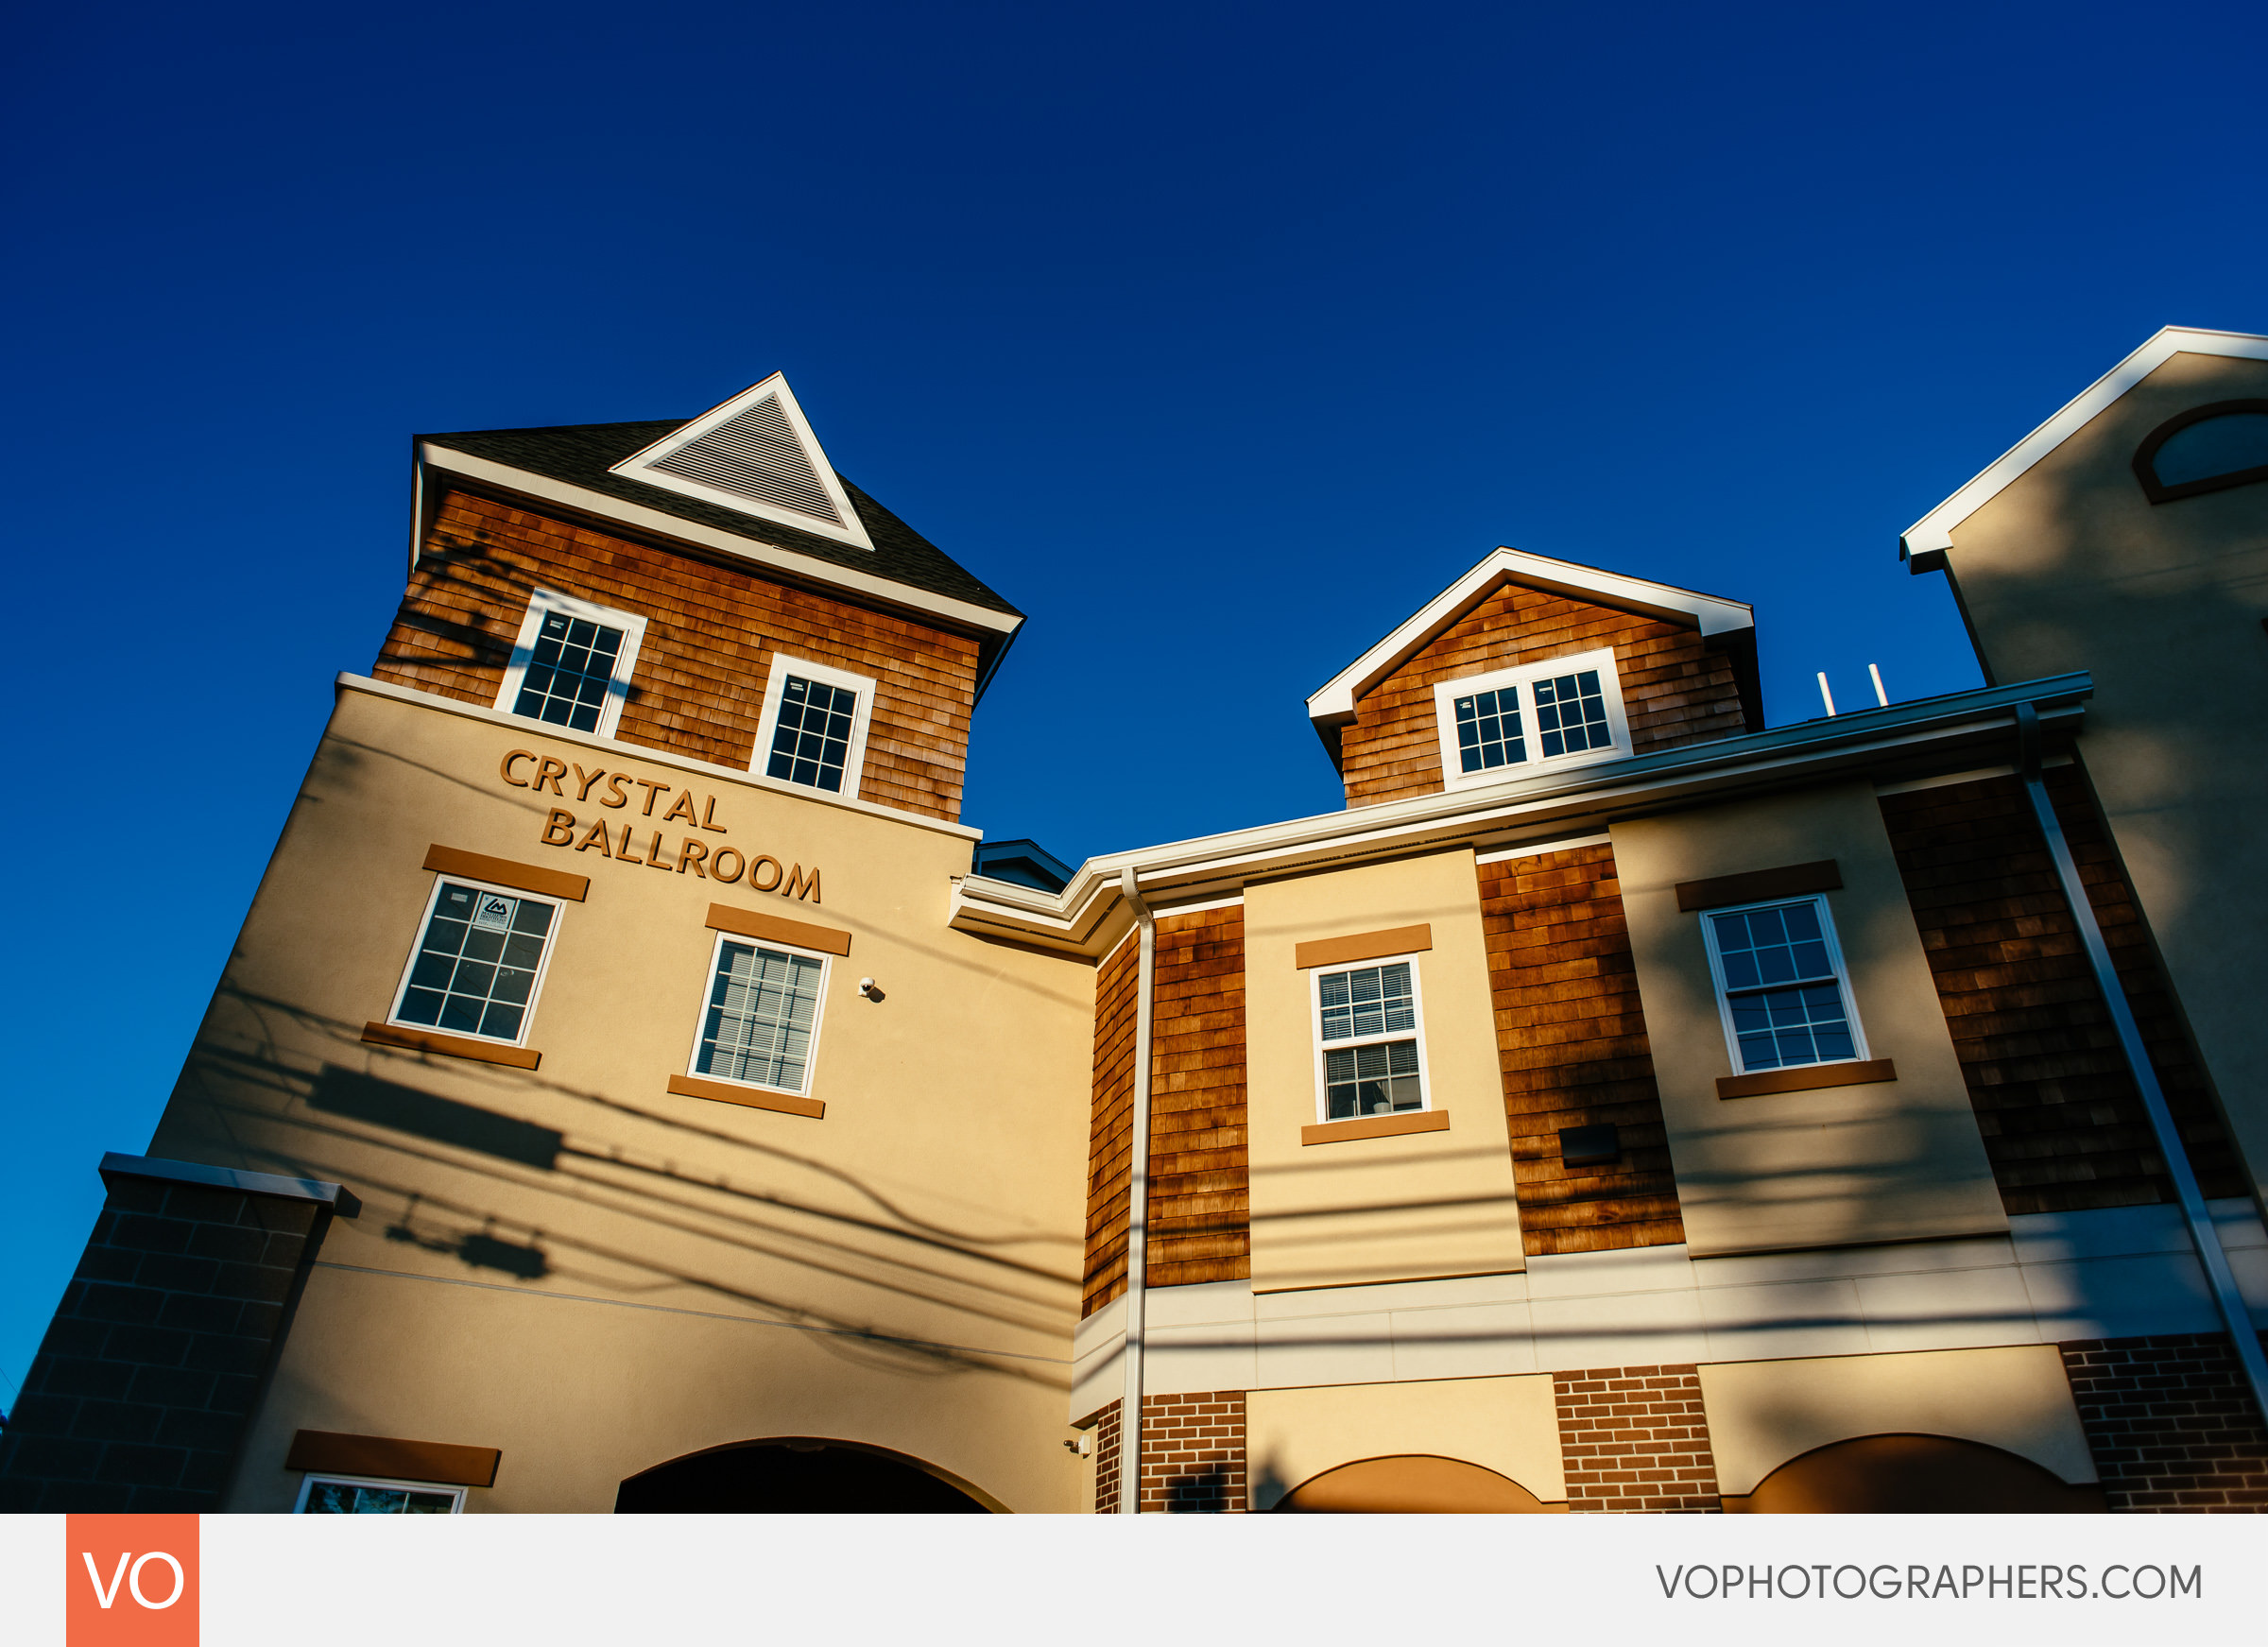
{"x": 2170, "y": 1423}
{"x": 140, "y": 1392}
{"x": 1109, "y": 1129}
{"x": 1193, "y": 1455}
{"x": 1635, "y": 1438}
{"x": 697, "y": 687}
{"x": 1675, "y": 689}
{"x": 2063, "y": 1125}
{"x": 1200, "y": 1183}
{"x": 1571, "y": 1045}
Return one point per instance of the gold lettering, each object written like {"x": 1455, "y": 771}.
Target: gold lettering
{"x": 709, "y": 816}
{"x": 717, "y": 864}
{"x": 691, "y": 852}
{"x": 653, "y": 793}
{"x": 597, "y": 773}
{"x": 653, "y": 846}
{"x": 809, "y": 885}
{"x": 550, "y": 771}
{"x": 597, "y": 837}
{"x": 506, "y": 768}
{"x": 614, "y": 788}
{"x": 629, "y": 855}
{"x": 558, "y": 828}
{"x": 682, "y": 807}
{"x": 756, "y": 869}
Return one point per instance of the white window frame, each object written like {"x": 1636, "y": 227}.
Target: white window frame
{"x": 1521, "y": 680}
{"x": 417, "y": 939}
{"x": 307, "y": 1484}
{"x": 819, "y": 1014}
{"x": 1314, "y": 1033}
{"x": 1834, "y": 956}
{"x": 855, "y": 762}
{"x": 541, "y": 604}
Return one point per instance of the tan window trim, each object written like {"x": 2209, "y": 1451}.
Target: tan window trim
{"x": 503, "y": 872}
{"x": 330, "y": 1453}
{"x": 1811, "y": 1078}
{"x": 1756, "y": 886}
{"x": 455, "y": 1046}
{"x": 1369, "y": 946}
{"x": 1375, "y": 1126}
{"x": 748, "y": 923}
{"x": 748, "y": 1097}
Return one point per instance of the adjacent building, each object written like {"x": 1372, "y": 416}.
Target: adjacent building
{"x": 635, "y": 1088}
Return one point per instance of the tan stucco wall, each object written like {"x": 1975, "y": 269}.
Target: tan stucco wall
{"x": 1764, "y": 1413}
{"x": 2073, "y": 567}
{"x": 922, "y": 1238}
{"x": 1900, "y": 1161}
{"x": 1509, "y": 1425}
{"x": 1382, "y": 1209}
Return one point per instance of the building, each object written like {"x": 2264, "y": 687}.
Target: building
{"x": 635, "y": 1087}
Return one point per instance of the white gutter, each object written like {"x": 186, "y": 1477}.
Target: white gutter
{"x": 2203, "y": 1236}
{"x": 1138, "y": 1201}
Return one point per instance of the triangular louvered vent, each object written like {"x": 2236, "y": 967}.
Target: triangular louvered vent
{"x": 755, "y": 454}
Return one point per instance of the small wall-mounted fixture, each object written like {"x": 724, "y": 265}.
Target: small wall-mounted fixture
{"x": 1589, "y": 1147}
{"x": 865, "y": 988}
{"x": 1083, "y": 1445}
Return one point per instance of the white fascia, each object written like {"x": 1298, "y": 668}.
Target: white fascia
{"x": 638, "y": 466}
{"x": 1712, "y": 614}
{"x": 653, "y": 522}
{"x": 1933, "y": 533}
{"x": 1088, "y": 916}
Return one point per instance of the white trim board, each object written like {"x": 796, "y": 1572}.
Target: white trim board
{"x": 741, "y": 775}
{"x": 809, "y": 568}
{"x": 1712, "y": 614}
{"x": 1933, "y": 533}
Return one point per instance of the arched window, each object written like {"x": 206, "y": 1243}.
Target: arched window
{"x": 2203, "y": 450}
{"x": 1910, "y": 1475}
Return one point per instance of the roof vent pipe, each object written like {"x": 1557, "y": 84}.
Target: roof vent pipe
{"x": 2203, "y": 1236}
{"x": 1137, "y": 1200}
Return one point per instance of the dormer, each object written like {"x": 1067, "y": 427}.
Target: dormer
{"x": 1527, "y": 664}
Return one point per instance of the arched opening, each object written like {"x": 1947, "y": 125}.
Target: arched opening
{"x": 1913, "y": 1475}
{"x": 798, "y": 1476}
{"x": 2203, "y": 450}
{"x": 1411, "y": 1484}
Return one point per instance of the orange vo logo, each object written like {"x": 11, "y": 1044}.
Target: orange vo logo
{"x": 130, "y": 1581}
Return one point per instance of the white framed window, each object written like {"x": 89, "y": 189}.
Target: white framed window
{"x": 479, "y": 961}
{"x": 361, "y": 1495}
{"x": 1563, "y": 711}
{"x": 814, "y": 730}
{"x": 1781, "y": 986}
{"x": 571, "y": 666}
{"x": 1369, "y": 1040}
{"x": 760, "y": 1024}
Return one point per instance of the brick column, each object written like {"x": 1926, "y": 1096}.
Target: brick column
{"x": 138, "y": 1398}
{"x": 1635, "y": 1438}
{"x": 1193, "y": 1455}
{"x": 2170, "y": 1423}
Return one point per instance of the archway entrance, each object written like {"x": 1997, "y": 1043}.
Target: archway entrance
{"x": 797, "y": 1476}
{"x": 1913, "y": 1475}
{"x": 1411, "y": 1484}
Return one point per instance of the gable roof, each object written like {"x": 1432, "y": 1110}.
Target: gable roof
{"x": 1333, "y": 704}
{"x": 575, "y": 465}
{"x": 1926, "y": 541}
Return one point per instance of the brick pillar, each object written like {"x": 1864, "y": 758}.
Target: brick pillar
{"x": 1635, "y": 1438}
{"x": 2170, "y": 1423}
{"x": 1193, "y": 1455}
{"x": 138, "y": 1398}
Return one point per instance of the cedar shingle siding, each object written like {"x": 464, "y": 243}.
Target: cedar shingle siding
{"x": 1109, "y": 1126}
{"x": 1675, "y": 688}
{"x": 1200, "y": 1188}
{"x": 1572, "y": 1042}
{"x": 697, "y": 687}
{"x": 2062, "y": 1122}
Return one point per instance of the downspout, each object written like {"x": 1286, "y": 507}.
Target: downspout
{"x": 1138, "y": 1201}
{"x": 2203, "y": 1236}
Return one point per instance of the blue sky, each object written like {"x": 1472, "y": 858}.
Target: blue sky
{"x": 1217, "y": 338}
